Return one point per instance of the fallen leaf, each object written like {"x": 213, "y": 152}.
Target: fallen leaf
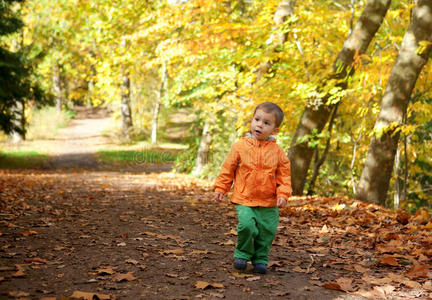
{"x": 299, "y": 270}
{"x": 89, "y": 296}
{"x": 28, "y": 233}
{"x": 332, "y": 286}
{"x": 254, "y": 278}
{"x": 227, "y": 243}
{"x": 204, "y": 285}
{"x": 132, "y": 261}
{"x": 345, "y": 284}
{"x": 418, "y": 271}
{"x": 106, "y": 271}
{"x": 36, "y": 260}
{"x": 124, "y": 277}
{"x": 242, "y": 275}
{"x": 18, "y": 294}
{"x": 388, "y": 261}
{"x": 173, "y": 251}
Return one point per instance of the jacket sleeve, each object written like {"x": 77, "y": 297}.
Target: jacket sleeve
{"x": 283, "y": 176}
{"x": 226, "y": 176}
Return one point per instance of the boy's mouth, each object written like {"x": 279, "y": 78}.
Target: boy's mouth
{"x": 257, "y": 131}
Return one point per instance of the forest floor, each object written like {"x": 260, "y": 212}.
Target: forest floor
{"x": 81, "y": 229}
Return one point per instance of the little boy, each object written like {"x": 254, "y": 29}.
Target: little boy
{"x": 261, "y": 173}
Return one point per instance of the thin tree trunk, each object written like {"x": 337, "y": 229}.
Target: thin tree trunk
{"x": 397, "y": 194}
{"x": 318, "y": 111}
{"x": 413, "y": 55}
{"x": 162, "y": 88}
{"x": 58, "y": 97}
{"x": 17, "y": 133}
{"x": 203, "y": 151}
{"x": 125, "y": 107}
{"x": 320, "y": 160}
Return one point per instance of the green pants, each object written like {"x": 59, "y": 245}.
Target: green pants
{"x": 256, "y": 230}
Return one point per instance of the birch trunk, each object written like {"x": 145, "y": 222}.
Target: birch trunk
{"x": 17, "y": 133}
{"x": 158, "y": 105}
{"x": 125, "y": 107}
{"x": 317, "y": 111}
{"x": 413, "y": 55}
{"x": 203, "y": 151}
{"x": 58, "y": 98}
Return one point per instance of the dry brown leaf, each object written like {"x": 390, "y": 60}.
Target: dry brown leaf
{"x": 389, "y": 261}
{"x": 18, "y": 294}
{"x": 227, "y": 243}
{"x": 132, "y": 261}
{"x": 106, "y": 271}
{"x": 89, "y": 296}
{"x": 36, "y": 260}
{"x": 418, "y": 271}
{"x": 173, "y": 251}
{"x": 254, "y": 278}
{"x": 241, "y": 275}
{"x": 299, "y": 270}
{"x": 124, "y": 277}
{"x": 204, "y": 285}
{"x": 345, "y": 284}
{"x": 360, "y": 269}
{"x": 332, "y": 286}
{"x": 28, "y": 233}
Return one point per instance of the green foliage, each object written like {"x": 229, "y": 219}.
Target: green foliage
{"x": 16, "y": 84}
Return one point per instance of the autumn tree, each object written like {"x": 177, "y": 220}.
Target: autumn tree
{"x": 319, "y": 108}
{"x": 413, "y": 55}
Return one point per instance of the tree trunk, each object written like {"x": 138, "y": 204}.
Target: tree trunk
{"x": 413, "y": 55}
{"x": 125, "y": 107}
{"x": 318, "y": 111}
{"x": 58, "y": 97}
{"x": 203, "y": 151}
{"x": 159, "y": 103}
{"x": 17, "y": 133}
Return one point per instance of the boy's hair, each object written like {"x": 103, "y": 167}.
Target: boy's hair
{"x": 270, "y": 107}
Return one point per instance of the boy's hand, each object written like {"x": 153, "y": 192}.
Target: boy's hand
{"x": 218, "y": 196}
{"x": 281, "y": 202}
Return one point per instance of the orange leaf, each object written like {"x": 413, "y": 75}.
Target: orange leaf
{"x": 204, "y": 285}
{"x": 124, "y": 277}
{"x": 36, "y": 260}
{"x": 419, "y": 271}
{"x": 389, "y": 261}
{"x": 89, "y": 296}
{"x": 332, "y": 286}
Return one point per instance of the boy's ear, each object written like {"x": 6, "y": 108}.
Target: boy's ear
{"x": 276, "y": 130}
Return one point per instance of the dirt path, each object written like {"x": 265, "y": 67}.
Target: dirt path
{"x": 123, "y": 235}
{"x": 75, "y": 231}
{"x": 75, "y": 145}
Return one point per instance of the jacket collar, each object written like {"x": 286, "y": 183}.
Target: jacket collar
{"x": 251, "y": 140}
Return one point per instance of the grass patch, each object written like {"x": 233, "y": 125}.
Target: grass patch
{"x": 45, "y": 122}
{"x": 135, "y": 156}
{"x": 22, "y": 159}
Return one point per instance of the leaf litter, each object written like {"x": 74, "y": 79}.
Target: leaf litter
{"x": 163, "y": 232}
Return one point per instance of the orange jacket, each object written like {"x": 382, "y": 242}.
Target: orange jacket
{"x": 260, "y": 171}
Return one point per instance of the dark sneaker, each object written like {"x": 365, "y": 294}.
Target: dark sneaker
{"x": 260, "y": 268}
{"x": 240, "y": 263}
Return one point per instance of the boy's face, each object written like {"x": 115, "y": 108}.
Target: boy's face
{"x": 263, "y": 125}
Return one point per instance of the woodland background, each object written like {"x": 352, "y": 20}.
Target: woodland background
{"x": 192, "y": 72}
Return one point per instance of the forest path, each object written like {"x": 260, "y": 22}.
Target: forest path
{"x": 75, "y": 145}
{"x": 106, "y": 233}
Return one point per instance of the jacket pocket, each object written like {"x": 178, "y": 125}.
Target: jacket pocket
{"x": 268, "y": 187}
